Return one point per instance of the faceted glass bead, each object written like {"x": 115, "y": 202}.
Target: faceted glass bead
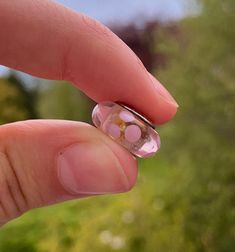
{"x": 126, "y": 128}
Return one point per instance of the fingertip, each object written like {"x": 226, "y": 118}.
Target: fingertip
{"x": 161, "y": 89}
{"x": 168, "y": 111}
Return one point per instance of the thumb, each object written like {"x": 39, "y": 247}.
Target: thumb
{"x": 48, "y": 161}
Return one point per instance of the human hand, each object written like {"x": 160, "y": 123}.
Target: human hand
{"x": 44, "y": 162}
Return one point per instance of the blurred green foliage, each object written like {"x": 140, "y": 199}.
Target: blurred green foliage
{"x": 201, "y": 70}
{"x": 185, "y": 196}
{"x": 62, "y": 101}
{"x": 16, "y": 102}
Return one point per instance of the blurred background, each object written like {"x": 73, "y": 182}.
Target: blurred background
{"x": 184, "y": 199}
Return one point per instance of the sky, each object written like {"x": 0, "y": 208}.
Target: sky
{"x": 125, "y": 11}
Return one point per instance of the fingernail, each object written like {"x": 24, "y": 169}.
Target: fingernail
{"x": 163, "y": 91}
{"x": 91, "y": 168}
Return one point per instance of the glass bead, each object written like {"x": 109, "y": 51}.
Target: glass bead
{"x": 127, "y": 128}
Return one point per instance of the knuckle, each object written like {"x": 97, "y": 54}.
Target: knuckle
{"x": 12, "y": 200}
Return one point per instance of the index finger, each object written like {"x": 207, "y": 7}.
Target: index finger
{"x": 50, "y": 41}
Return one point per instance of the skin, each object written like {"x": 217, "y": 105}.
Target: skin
{"x": 50, "y": 41}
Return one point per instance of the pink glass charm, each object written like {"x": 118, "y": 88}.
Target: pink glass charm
{"x": 126, "y": 127}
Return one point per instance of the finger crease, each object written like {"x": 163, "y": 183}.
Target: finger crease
{"x": 18, "y": 185}
{"x": 2, "y": 207}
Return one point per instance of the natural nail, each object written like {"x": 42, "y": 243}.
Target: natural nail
{"x": 163, "y": 91}
{"x": 91, "y": 168}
